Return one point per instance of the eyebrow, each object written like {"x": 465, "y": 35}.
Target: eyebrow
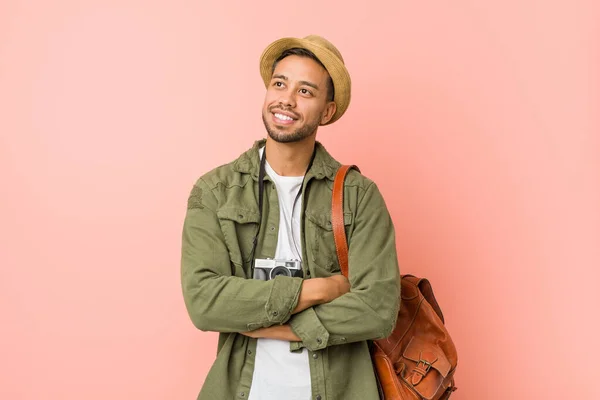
{"x": 306, "y": 83}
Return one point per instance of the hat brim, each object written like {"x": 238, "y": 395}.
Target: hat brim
{"x": 334, "y": 66}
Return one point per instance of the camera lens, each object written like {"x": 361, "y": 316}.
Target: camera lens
{"x": 280, "y": 271}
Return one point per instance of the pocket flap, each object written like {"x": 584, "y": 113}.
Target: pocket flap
{"x": 419, "y": 350}
{"x": 239, "y": 215}
{"x": 323, "y": 219}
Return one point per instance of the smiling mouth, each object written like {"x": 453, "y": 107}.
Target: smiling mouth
{"x": 283, "y": 117}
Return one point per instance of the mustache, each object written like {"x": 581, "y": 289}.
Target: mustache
{"x": 287, "y": 110}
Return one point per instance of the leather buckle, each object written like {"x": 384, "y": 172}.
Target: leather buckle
{"x": 427, "y": 365}
{"x": 426, "y": 360}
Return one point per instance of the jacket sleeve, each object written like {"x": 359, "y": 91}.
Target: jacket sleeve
{"x": 216, "y": 300}
{"x": 369, "y": 311}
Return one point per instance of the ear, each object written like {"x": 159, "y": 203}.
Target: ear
{"x": 328, "y": 113}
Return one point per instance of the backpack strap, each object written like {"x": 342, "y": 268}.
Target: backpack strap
{"x": 337, "y": 217}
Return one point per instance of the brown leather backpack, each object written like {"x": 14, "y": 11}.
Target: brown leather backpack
{"x": 417, "y": 361}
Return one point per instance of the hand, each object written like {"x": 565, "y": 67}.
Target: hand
{"x": 254, "y": 334}
{"x": 338, "y": 285}
{"x": 280, "y": 332}
{"x": 317, "y": 291}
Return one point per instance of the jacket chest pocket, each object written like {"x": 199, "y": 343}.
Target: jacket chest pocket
{"x": 239, "y": 227}
{"x": 322, "y": 251}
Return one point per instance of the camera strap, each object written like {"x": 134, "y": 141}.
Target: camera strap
{"x": 261, "y": 188}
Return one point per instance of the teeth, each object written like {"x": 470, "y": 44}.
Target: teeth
{"x": 283, "y": 117}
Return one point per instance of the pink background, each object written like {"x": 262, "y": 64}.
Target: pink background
{"x": 478, "y": 119}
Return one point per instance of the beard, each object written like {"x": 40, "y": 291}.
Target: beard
{"x": 299, "y": 134}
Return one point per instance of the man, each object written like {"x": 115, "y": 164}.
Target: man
{"x": 302, "y": 336}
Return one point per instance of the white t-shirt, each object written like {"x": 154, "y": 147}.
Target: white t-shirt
{"x": 278, "y": 373}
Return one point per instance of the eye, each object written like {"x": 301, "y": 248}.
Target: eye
{"x": 306, "y": 91}
{"x": 278, "y": 84}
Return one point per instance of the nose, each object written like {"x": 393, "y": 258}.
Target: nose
{"x": 287, "y": 98}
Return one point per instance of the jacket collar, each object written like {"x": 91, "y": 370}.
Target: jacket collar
{"x": 324, "y": 166}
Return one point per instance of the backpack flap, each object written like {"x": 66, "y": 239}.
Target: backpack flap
{"x": 426, "y": 367}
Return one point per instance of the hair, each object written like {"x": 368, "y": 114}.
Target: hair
{"x": 297, "y": 51}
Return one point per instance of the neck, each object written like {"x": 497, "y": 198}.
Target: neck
{"x": 290, "y": 159}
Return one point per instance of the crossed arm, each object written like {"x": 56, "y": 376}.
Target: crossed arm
{"x": 314, "y": 292}
{"x": 312, "y": 313}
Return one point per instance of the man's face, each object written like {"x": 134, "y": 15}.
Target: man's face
{"x": 296, "y": 100}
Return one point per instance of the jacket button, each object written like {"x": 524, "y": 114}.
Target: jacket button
{"x": 275, "y": 313}
{"x": 315, "y": 356}
{"x": 318, "y": 397}
{"x": 319, "y": 340}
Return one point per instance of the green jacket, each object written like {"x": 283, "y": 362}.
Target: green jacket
{"x": 220, "y": 295}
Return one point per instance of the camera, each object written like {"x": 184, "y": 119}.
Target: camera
{"x": 266, "y": 268}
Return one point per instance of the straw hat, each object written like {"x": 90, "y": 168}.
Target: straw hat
{"x": 329, "y": 56}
